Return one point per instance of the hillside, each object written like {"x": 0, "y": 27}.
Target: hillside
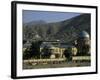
{"x": 66, "y": 30}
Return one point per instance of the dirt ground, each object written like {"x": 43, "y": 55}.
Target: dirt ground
{"x": 55, "y": 65}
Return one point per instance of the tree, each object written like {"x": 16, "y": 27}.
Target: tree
{"x": 68, "y": 54}
{"x": 85, "y": 50}
{"x": 26, "y": 54}
{"x": 46, "y": 52}
{"x": 35, "y": 49}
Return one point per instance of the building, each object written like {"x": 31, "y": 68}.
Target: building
{"x": 56, "y": 49}
{"x": 83, "y": 43}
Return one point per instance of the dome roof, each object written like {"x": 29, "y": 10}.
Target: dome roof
{"x": 84, "y": 34}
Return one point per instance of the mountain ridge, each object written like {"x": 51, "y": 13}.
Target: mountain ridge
{"x": 65, "y": 31}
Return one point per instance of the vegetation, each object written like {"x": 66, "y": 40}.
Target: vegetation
{"x": 33, "y": 51}
{"x": 46, "y": 52}
{"x": 27, "y": 54}
{"x": 68, "y": 54}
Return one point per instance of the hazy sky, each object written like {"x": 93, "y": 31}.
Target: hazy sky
{"x": 48, "y": 16}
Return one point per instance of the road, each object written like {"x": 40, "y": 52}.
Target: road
{"x": 55, "y": 65}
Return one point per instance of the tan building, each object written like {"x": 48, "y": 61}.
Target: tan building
{"x": 58, "y": 50}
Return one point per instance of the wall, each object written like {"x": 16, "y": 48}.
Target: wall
{"x": 5, "y": 40}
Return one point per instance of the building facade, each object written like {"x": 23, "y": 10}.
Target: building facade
{"x": 83, "y": 43}
{"x": 57, "y": 51}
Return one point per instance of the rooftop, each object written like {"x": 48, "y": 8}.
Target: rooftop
{"x": 84, "y": 34}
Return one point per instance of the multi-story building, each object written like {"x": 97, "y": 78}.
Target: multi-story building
{"x": 57, "y": 51}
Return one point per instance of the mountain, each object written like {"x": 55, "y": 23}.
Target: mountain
{"x": 38, "y": 22}
{"x": 65, "y": 31}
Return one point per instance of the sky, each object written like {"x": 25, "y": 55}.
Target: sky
{"x": 47, "y": 16}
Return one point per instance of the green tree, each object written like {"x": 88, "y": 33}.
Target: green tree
{"x": 68, "y": 54}
{"x": 27, "y": 54}
{"x": 35, "y": 49}
{"x": 46, "y": 52}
